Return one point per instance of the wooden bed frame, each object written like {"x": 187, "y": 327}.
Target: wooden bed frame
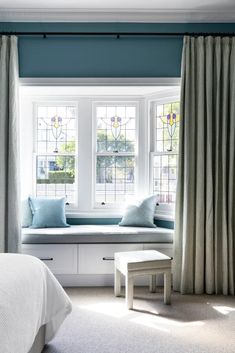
{"x": 39, "y": 341}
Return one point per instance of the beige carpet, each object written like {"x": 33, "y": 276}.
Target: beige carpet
{"x": 101, "y": 324}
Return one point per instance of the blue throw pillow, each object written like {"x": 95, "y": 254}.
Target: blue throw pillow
{"x": 141, "y": 215}
{"x": 48, "y": 213}
{"x": 26, "y": 214}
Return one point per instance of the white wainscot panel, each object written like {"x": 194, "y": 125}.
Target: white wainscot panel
{"x": 166, "y": 249}
{"x": 60, "y": 258}
{"x": 98, "y": 258}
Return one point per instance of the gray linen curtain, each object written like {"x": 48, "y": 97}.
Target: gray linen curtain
{"x": 204, "y": 259}
{"x": 9, "y": 146}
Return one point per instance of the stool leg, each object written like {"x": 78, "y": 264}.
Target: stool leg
{"x": 152, "y": 285}
{"x": 167, "y": 287}
{"x": 129, "y": 291}
{"x": 117, "y": 282}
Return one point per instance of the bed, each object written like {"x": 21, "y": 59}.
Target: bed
{"x": 32, "y": 304}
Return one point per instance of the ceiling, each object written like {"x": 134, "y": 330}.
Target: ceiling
{"x": 119, "y": 10}
{"x": 120, "y": 4}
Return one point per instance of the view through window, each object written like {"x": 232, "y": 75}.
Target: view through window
{"x": 55, "y": 151}
{"x": 115, "y": 153}
{"x": 167, "y": 120}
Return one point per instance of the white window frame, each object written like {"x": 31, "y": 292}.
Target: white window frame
{"x": 163, "y": 210}
{"x": 47, "y": 101}
{"x": 85, "y": 196}
{"x": 108, "y": 103}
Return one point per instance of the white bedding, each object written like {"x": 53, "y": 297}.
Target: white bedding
{"x": 30, "y": 296}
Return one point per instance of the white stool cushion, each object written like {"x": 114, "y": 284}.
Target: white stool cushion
{"x": 141, "y": 256}
{"x": 144, "y": 259}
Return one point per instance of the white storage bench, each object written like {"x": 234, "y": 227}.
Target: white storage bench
{"x": 83, "y": 255}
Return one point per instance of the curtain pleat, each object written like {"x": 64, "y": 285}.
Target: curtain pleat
{"x": 9, "y": 146}
{"x": 204, "y": 246}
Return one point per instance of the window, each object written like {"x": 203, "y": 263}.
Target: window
{"x": 164, "y": 158}
{"x": 115, "y": 153}
{"x": 123, "y": 146}
{"x": 55, "y": 151}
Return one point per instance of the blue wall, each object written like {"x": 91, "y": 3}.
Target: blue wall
{"x": 103, "y": 57}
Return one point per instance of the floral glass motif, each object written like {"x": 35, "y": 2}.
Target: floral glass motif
{"x": 171, "y": 120}
{"x": 56, "y": 125}
{"x": 115, "y": 129}
{"x": 56, "y": 129}
{"x": 167, "y": 126}
{"x": 116, "y": 123}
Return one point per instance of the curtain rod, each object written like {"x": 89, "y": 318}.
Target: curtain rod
{"x": 119, "y": 34}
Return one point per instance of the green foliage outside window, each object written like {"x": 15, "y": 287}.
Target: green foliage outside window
{"x": 64, "y": 172}
{"x": 64, "y": 166}
{"x": 120, "y": 165}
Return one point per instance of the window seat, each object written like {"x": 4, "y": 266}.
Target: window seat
{"x": 92, "y": 234}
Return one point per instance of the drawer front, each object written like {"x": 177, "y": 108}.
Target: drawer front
{"x": 166, "y": 249}
{"x": 61, "y": 259}
{"x": 97, "y": 258}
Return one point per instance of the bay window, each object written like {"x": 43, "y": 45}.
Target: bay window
{"x": 100, "y": 152}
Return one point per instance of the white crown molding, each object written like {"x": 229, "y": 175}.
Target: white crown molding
{"x": 115, "y": 15}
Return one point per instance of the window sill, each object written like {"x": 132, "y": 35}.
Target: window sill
{"x": 164, "y": 217}
{"x": 92, "y": 214}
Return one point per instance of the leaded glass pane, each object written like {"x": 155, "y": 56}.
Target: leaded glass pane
{"x": 55, "y": 161}
{"x": 116, "y": 134}
{"x": 164, "y": 177}
{"x": 115, "y": 178}
{"x": 116, "y": 128}
{"x": 167, "y": 127}
{"x": 167, "y": 120}
{"x": 55, "y": 176}
{"x": 56, "y": 129}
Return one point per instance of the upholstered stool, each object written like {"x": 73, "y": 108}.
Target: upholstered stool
{"x": 136, "y": 263}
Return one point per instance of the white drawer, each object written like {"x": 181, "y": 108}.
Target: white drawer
{"x": 166, "y": 249}
{"x": 97, "y": 258}
{"x": 60, "y": 258}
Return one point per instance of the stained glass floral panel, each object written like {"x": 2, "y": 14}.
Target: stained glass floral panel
{"x": 56, "y": 129}
{"x": 116, "y": 128}
{"x": 167, "y": 127}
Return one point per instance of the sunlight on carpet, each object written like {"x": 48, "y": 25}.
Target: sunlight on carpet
{"x": 116, "y": 310}
{"x": 225, "y": 310}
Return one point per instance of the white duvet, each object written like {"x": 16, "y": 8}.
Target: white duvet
{"x": 30, "y": 296}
